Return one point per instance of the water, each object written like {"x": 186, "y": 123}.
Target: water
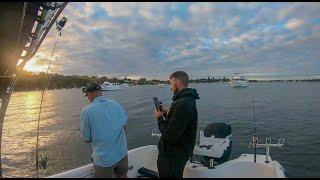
{"x": 288, "y": 110}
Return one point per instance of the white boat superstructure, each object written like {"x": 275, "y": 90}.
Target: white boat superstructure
{"x": 238, "y": 81}
{"x": 161, "y": 85}
{"x": 107, "y": 86}
{"x": 124, "y": 85}
{"x": 211, "y": 148}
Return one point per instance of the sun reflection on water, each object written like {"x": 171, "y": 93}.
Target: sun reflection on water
{"x": 20, "y": 130}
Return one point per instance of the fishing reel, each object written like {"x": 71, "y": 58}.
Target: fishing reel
{"x": 43, "y": 162}
{"x": 61, "y": 23}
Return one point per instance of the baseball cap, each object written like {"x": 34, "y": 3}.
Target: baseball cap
{"x": 90, "y": 87}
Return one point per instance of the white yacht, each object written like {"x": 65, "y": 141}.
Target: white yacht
{"x": 124, "y": 85}
{"x": 161, "y": 85}
{"x": 238, "y": 81}
{"x": 107, "y": 86}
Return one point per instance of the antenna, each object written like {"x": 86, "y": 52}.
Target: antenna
{"x": 254, "y": 139}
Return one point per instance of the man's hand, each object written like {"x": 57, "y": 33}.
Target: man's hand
{"x": 158, "y": 114}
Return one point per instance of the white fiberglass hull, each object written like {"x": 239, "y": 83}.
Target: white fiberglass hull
{"x": 111, "y": 88}
{"x": 146, "y": 156}
{"x": 238, "y": 83}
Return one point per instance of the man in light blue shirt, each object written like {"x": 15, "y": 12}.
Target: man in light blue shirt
{"x": 103, "y": 123}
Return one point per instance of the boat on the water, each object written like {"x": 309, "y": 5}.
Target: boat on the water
{"x": 214, "y": 152}
{"x": 124, "y": 85}
{"x": 238, "y": 81}
{"x": 161, "y": 85}
{"x": 107, "y": 86}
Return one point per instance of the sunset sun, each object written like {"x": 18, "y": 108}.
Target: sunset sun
{"x": 39, "y": 63}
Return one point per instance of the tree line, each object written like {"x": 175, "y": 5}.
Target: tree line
{"x": 36, "y": 81}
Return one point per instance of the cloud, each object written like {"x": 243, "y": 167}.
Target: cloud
{"x": 302, "y": 10}
{"x": 294, "y": 23}
{"x": 177, "y": 24}
{"x": 201, "y": 9}
{"x": 265, "y": 15}
{"x": 119, "y": 9}
{"x": 233, "y": 22}
{"x": 144, "y": 39}
{"x": 250, "y": 36}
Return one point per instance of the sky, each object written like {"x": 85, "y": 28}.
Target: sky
{"x": 152, "y": 40}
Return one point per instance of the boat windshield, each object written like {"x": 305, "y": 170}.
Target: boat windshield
{"x": 239, "y": 78}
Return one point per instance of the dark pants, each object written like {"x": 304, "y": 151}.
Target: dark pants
{"x": 119, "y": 170}
{"x": 171, "y": 166}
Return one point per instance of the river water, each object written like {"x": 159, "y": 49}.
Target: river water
{"x": 289, "y": 110}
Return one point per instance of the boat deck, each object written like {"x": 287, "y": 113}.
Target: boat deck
{"x": 146, "y": 156}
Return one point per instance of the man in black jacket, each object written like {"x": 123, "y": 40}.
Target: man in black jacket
{"x": 178, "y": 127}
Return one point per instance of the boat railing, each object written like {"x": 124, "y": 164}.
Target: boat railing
{"x": 154, "y": 133}
{"x": 267, "y": 146}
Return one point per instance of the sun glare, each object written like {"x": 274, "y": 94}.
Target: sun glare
{"x": 32, "y": 66}
{"x": 38, "y": 63}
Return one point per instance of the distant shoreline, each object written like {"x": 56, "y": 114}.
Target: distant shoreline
{"x": 219, "y": 82}
{"x": 289, "y": 80}
{"x": 29, "y": 81}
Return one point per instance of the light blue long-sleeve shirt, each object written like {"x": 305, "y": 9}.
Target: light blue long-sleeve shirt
{"x": 102, "y": 123}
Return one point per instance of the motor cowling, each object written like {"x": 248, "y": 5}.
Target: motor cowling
{"x": 218, "y": 132}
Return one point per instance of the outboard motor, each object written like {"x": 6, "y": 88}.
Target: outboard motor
{"x": 215, "y": 144}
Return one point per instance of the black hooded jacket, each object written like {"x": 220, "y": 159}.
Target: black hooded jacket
{"x": 179, "y": 126}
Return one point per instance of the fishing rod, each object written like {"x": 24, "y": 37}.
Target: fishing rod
{"x": 38, "y": 127}
{"x": 43, "y": 160}
{"x": 267, "y": 144}
{"x": 254, "y": 139}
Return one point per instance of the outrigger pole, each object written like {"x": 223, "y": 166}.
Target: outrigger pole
{"x": 50, "y": 11}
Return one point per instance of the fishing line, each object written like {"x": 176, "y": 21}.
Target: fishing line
{"x": 40, "y": 110}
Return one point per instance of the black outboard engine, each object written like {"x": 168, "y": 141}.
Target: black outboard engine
{"x": 218, "y": 130}
{"x": 215, "y": 144}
